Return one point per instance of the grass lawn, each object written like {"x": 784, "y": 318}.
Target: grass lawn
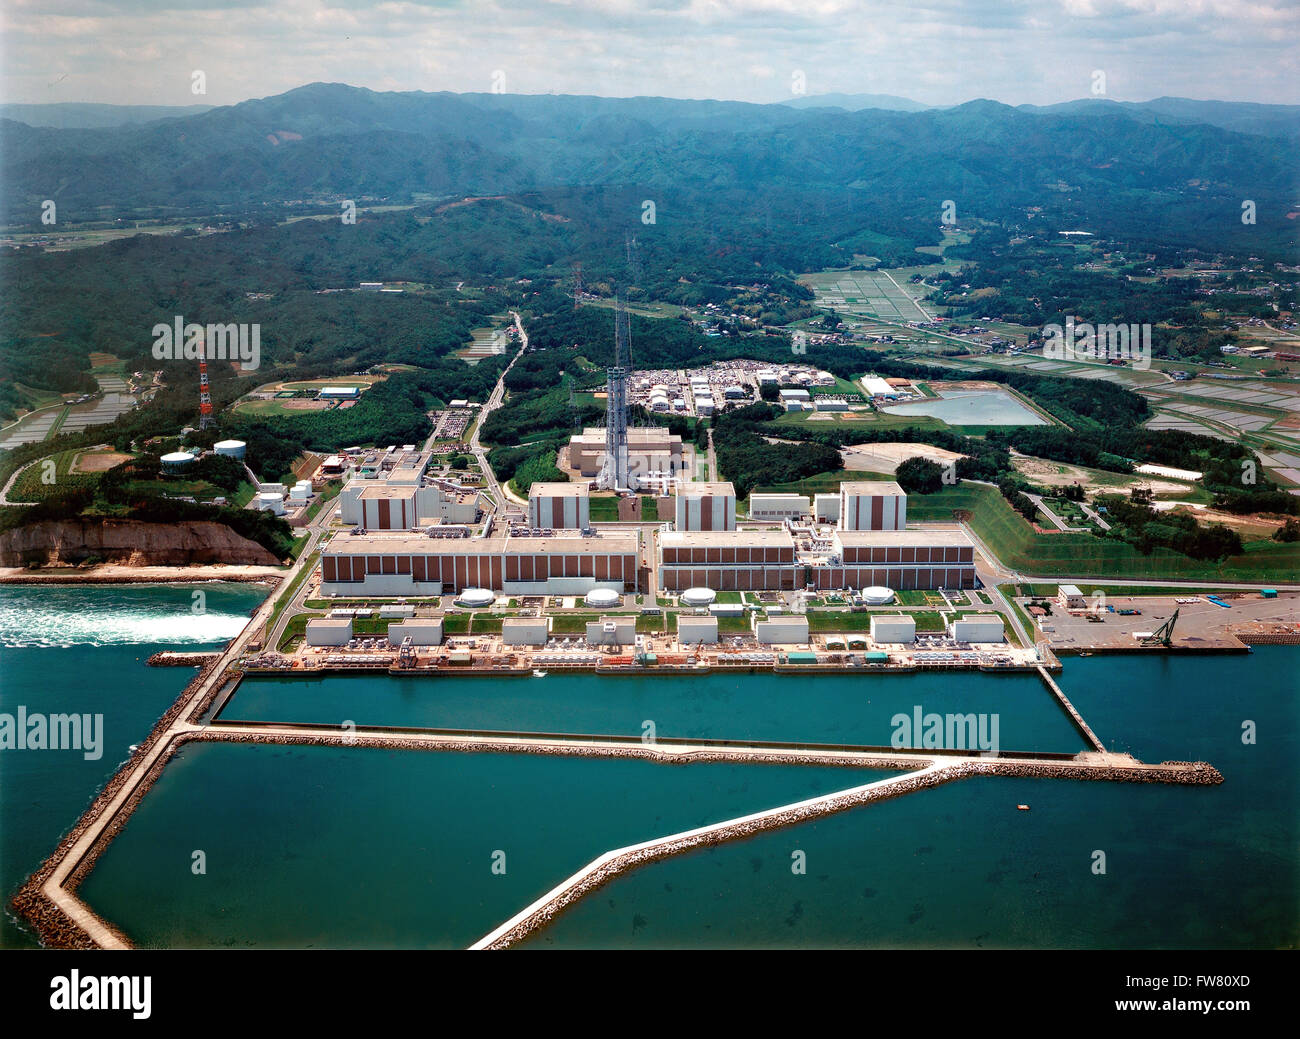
{"x": 286, "y": 595}
{"x": 604, "y": 508}
{"x": 1019, "y": 547}
{"x": 1048, "y": 591}
{"x": 296, "y": 629}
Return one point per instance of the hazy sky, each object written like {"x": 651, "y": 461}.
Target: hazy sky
{"x": 936, "y": 51}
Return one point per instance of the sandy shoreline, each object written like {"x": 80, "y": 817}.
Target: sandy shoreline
{"x": 117, "y": 573}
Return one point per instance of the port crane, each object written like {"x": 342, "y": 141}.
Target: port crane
{"x": 1163, "y": 635}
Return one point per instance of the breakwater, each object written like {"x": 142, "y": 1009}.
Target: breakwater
{"x": 170, "y": 658}
{"x": 55, "y": 927}
{"x": 615, "y": 863}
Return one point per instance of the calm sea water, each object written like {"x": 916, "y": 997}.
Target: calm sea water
{"x": 356, "y": 847}
{"x": 309, "y": 845}
{"x": 762, "y": 706}
{"x": 1185, "y": 867}
{"x": 74, "y": 649}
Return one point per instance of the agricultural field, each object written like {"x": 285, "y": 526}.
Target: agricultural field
{"x": 866, "y": 294}
{"x": 486, "y": 341}
{"x": 41, "y": 479}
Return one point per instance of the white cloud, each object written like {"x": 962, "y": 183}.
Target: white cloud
{"x": 938, "y": 51}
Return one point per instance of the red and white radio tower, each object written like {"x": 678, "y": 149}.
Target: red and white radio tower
{"x": 205, "y": 398}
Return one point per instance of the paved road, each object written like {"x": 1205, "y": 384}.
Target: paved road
{"x": 494, "y": 401}
{"x": 1060, "y": 524}
{"x": 4, "y": 494}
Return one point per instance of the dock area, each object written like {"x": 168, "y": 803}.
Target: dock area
{"x": 1202, "y": 626}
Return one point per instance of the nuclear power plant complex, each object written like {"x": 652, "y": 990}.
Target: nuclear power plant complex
{"x": 414, "y": 535}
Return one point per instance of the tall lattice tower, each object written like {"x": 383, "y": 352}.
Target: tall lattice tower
{"x": 614, "y": 472}
{"x": 205, "y": 398}
{"x": 577, "y": 285}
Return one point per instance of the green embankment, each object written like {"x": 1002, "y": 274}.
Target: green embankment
{"x": 1020, "y": 548}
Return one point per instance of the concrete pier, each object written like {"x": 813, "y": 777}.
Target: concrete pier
{"x": 1069, "y": 709}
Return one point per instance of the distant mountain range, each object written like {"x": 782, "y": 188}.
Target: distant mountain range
{"x": 85, "y": 116}
{"x": 857, "y": 102}
{"x": 1098, "y": 161}
{"x": 1240, "y": 116}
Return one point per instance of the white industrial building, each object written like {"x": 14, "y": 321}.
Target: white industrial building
{"x": 876, "y": 386}
{"x": 872, "y": 505}
{"x": 826, "y": 508}
{"x": 781, "y": 631}
{"x": 525, "y": 631}
{"x": 406, "y": 564}
{"x": 706, "y": 506}
{"x": 398, "y": 503}
{"x": 423, "y": 632}
{"x": 694, "y": 631}
{"x": 777, "y": 507}
{"x": 889, "y": 628}
{"x": 329, "y": 631}
{"x": 1070, "y": 598}
{"x": 559, "y": 506}
{"x": 978, "y": 627}
{"x": 612, "y": 631}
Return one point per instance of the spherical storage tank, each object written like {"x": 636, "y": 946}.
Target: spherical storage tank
{"x": 177, "y": 459}
{"x": 877, "y": 596}
{"x": 698, "y": 596}
{"x": 230, "y": 448}
{"x": 476, "y": 597}
{"x": 603, "y": 597}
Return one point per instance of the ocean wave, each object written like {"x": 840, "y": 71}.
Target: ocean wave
{"x": 90, "y": 617}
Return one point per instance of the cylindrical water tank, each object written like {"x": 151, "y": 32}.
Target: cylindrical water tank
{"x": 230, "y": 448}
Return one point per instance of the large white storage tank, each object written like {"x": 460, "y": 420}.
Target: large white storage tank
{"x": 476, "y": 598}
{"x": 978, "y": 627}
{"x": 175, "y": 461}
{"x": 893, "y": 628}
{"x": 603, "y": 598}
{"x": 270, "y": 501}
{"x": 230, "y": 448}
{"x": 877, "y": 595}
